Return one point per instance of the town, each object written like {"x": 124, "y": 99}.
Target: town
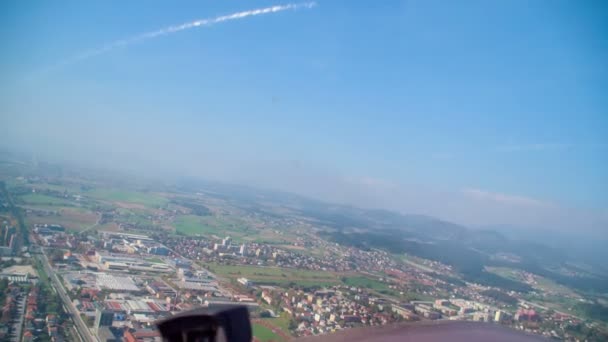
{"x": 119, "y": 284}
{"x": 88, "y": 267}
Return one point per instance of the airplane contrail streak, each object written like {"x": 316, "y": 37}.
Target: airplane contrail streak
{"x": 185, "y": 26}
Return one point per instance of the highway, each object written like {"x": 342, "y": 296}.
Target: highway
{"x": 81, "y": 326}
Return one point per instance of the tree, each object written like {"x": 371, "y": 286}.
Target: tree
{"x": 3, "y": 284}
{"x": 56, "y": 255}
{"x": 293, "y": 325}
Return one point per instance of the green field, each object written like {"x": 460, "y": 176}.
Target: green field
{"x": 505, "y": 272}
{"x": 371, "y": 284}
{"x": 155, "y": 260}
{"x": 281, "y": 322}
{"x": 210, "y": 225}
{"x": 275, "y": 275}
{"x": 55, "y": 187}
{"x": 39, "y": 199}
{"x": 542, "y": 283}
{"x": 264, "y": 334}
{"x": 550, "y": 286}
{"x": 366, "y": 282}
{"x": 134, "y": 216}
{"x": 194, "y": 225}
{"x": 413, "y": 262}
{"x": 146, "y": 199}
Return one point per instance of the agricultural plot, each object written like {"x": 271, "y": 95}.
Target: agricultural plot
{"x": 69, "y": 217}
{"x": 365, "y": 282}
{"x": 39, "y": 199}
{"x": 209, "y": 225}
{"x": 265, "y": 334}
{"x": 150, "y": 200}
{"x": 276, "y": 275}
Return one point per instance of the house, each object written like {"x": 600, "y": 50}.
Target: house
{"x": 142, "y": 335}
{"x": 266, "y": 297}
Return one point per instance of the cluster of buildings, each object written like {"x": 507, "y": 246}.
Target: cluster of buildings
{"x": 122, "y": 294}
{"x": 132, "y": 244}
{"x": 125, "y": 282}
{"x": 37, "y": 322}
{"x": 328, "y": 310}
{"x": 52, "y": 235}
{"x": 8, "y": 239}
{"x": 335, "y": 258}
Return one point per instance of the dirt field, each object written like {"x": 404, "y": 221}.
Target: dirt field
{"x": 71, "y": 218}
{"x": 110, "y": 227}
{"x": 129, "y": 205}
{"x": 20, "y": 269}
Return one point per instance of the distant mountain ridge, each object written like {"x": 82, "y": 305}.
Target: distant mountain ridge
{"x": 468, "y": 250}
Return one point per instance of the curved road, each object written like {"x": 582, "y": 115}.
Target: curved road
{"x": 81, "y": 326}
{"x": 94, "y": 225}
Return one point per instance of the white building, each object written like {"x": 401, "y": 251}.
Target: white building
{"x": 244, "y": 282}
{"x": 226, "y": 242}
{"x": 15, "y": 277}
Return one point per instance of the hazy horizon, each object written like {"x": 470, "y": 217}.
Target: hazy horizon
{"x": 484, "y": 116}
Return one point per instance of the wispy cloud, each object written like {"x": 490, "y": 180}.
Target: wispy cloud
{"x": 177, "y": 28}
{"x": 533, "y": 147}
{"x": 548, "y": 146}
{"x": 503, "y": 198}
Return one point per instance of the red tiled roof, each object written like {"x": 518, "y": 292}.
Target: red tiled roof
{"x": 143, "y": 333}
{"x": 153, "y": 306}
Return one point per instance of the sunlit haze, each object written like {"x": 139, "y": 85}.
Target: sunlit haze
{"x": 482, "y": 113}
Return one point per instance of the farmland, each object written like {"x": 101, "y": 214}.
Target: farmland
{"x": 375, "y": 285}
{"x": 541, "y": 283}
{"x": 264, "y": 334}
{"x": 275, "y": 275}
{"x": 70, "y": 217}
{"x": 506, "y": 272}
{"x": 193, "y": 225}
{"x": 39, "y": 199}
{"x": 146, "y": 199}
{"x": 366, "y": 282}
{"x": 209, "y": 226}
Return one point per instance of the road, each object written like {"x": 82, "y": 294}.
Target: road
{"x": 18, "y": 326}
{"x": 93, "y": 225}
{"x": 547, "y": 308}
{"x": 81, "y": 326}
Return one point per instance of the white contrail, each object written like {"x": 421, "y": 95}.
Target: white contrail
{"x": 182, "y": 27}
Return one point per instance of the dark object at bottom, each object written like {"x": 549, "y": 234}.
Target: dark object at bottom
{"x": 206, "y": 325}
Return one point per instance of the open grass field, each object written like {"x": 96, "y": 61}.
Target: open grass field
{"x": 506, "y": 272}
{"x": 67, "y": 187}
{"x": 146, "y": 199}
{"x": 543, "y": 284}
{"x": 264, "y": 334}
{"x": 155, "y": 260}
{"x": 134, "y": 216}
{"x": 366, "y": 282}
{"x": 210, "y": 225}
{"x": 414, "y": 263}
{"x": 194, "y": 225}
{"x": 275, "y": 275}
{"x": 80, "y": 217}
{"x": 110, "y": 227}
{"x": 281, "y": 322}
{"x": 550, "y": 286}
{"x": 39, "y": 199}
{"x": 373, "y": 284}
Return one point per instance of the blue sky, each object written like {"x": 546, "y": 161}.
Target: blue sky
{"x": 503, "y": 98}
